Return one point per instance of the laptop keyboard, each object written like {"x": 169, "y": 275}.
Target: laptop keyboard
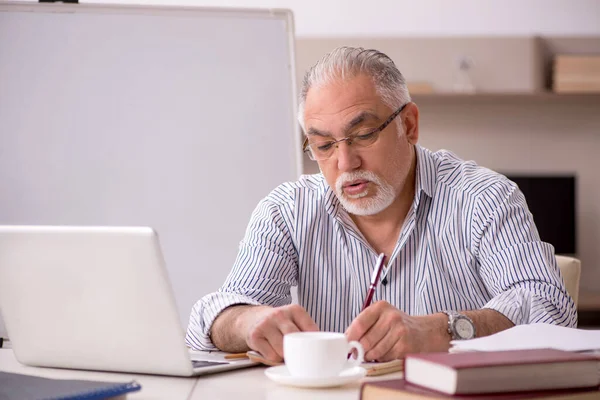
{"x": 200, "y": 364}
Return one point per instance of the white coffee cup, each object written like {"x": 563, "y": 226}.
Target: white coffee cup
{"x": 319, "y": 354}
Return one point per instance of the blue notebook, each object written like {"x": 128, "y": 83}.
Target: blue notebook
{"x": 27, "y": 387}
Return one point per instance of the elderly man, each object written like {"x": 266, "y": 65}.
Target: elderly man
{"x": 464, "y": 255}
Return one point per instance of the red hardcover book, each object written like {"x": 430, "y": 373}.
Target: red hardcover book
{"x": 399, "y": 389}
{"x": 502, "y": 371}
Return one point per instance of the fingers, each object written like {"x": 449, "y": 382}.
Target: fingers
{"x": 371, "y": 340}
{"x": 373, "y": 336}
{"x": 289, "y": 320}
{"x": 302, "y": 320}
{"x": 266, "y": 336}
{"x": 263, "y": 338}
{"x": 283, "y": 328}
{"x": 380, "y": 330}
{"x": 263, "y": 346}
{"x": 385, "y": 349}
{"x": 364, "y": 322}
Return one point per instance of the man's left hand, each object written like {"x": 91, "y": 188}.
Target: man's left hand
{"x": 387, "y": 333}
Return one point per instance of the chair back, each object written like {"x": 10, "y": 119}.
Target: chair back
{"x": 570, "y": 268}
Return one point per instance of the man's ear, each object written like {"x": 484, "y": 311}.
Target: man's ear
{"x": 411, "y": 123}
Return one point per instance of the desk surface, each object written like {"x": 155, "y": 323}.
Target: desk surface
{"x": 252, "y": 382}
{"x": 153, "y": 387}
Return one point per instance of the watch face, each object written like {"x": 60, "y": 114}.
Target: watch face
{"x": 464, "y": 329}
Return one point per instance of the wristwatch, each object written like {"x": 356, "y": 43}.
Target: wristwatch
{"x": 460, "y": 327}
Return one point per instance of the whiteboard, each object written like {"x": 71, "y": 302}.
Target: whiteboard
{"x": 178, "y": 118}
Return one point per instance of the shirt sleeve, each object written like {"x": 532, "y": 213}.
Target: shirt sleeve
{"x": 519, "y": 270}
{"x": 265, "y": 269}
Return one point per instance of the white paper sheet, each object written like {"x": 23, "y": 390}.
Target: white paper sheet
{"x": 533, "y": 336}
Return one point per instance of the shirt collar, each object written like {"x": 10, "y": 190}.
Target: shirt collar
{"x": 425, "y": 173}
{"x": 332, "y": 204}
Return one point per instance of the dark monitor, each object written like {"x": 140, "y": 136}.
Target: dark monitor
{"x": 551, "y": 200}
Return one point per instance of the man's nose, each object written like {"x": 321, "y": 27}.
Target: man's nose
{"x": 347, "y": 156}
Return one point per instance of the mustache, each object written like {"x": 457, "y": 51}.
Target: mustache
{"x": 348, "y": 177}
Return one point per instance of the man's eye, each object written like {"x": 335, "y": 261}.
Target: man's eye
{"x": 365, "y": 136}
{"x": 324, "y": 146}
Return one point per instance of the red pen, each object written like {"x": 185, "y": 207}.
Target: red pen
{"x": 374, "y": 281}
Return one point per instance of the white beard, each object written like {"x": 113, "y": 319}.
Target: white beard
{"x": 356, "y": 204}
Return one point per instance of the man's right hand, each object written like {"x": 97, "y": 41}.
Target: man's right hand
{"x": 261, "y": 328}
{"x": 268, "y": 325}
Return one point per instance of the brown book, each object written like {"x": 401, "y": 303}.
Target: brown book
{"x": 502, "y": 371}
{"x": 580, "y": 64}
{"x": 396, "y": 389}
{"x": 576, "y": 74}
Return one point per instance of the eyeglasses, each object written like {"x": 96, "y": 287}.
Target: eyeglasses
{"x": 323, "y": 150}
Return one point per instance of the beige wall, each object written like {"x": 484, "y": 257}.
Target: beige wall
{"x": 537, "y": 133}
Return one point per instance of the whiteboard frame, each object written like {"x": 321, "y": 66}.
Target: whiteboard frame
{"x": 284, "y": 15}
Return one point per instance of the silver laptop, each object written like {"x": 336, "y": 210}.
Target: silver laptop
{"x": 95, "y": 298}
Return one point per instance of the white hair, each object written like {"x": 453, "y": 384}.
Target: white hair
{"x": 347, "y": 62}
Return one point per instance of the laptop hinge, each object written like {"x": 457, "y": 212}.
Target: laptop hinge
{"x": 59, "y": 1}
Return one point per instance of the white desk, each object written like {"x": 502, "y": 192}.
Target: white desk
{"x": 249, "y": 383}
{"x": 153, "y": 387}
{"x": 252, "y": 384}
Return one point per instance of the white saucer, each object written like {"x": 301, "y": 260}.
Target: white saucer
{"x": 280, "y": 374}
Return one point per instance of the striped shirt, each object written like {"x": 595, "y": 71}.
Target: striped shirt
{"x": 468, "y": 242}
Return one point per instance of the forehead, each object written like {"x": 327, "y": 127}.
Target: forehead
{"x": 340, "y": 100}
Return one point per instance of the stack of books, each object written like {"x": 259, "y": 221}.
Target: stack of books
{"x": 494, "y": 375}
{"x": 576, "y": 74}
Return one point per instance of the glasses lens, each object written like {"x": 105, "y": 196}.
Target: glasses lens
{"x": 310, "y": 154}
{"x": 321, "y": 150}
{"x": 367, "y": 139}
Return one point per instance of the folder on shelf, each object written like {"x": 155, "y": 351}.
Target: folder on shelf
{"x": 576, "y": 74}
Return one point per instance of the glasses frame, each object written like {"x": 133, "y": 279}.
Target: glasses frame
{"x": 349, "y": 139}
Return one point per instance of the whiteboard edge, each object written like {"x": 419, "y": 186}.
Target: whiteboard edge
{"x": 288, "y": 16}
{"x": 158, "y": 9}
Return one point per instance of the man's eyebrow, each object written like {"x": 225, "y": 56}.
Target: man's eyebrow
{"x": 359, "y": 119}
{"x": 316, "y": 132}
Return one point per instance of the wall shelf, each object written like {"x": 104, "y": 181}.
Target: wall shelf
{"x": 525, "y": 99}
{"x": 497, "y": 64}
{"x": 528, "y": 96}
